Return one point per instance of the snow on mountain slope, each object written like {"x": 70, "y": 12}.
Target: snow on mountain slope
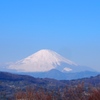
{"x": 42, "y": 61}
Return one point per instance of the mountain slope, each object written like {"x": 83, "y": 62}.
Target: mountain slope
{"x": 42, "y": 61}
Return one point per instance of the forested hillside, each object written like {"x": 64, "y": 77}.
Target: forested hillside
{"x": 10, "y": 84}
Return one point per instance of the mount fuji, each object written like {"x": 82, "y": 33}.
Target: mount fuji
{"x": 48, "y": 64}
{"x": 45, "y": 60}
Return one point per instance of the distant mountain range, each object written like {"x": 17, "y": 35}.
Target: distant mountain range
{"x": 49, "y": 64}
{"x": 56, "y": 74}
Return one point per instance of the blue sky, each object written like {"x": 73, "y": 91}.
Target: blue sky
{"x": 69, "y": 27}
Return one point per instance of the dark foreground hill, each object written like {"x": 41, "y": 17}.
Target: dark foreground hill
{"x": 12, "y": 83}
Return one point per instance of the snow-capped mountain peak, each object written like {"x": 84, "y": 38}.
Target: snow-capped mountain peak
{"x": 41, "y": 61}
{"x": 47, "y": 56}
